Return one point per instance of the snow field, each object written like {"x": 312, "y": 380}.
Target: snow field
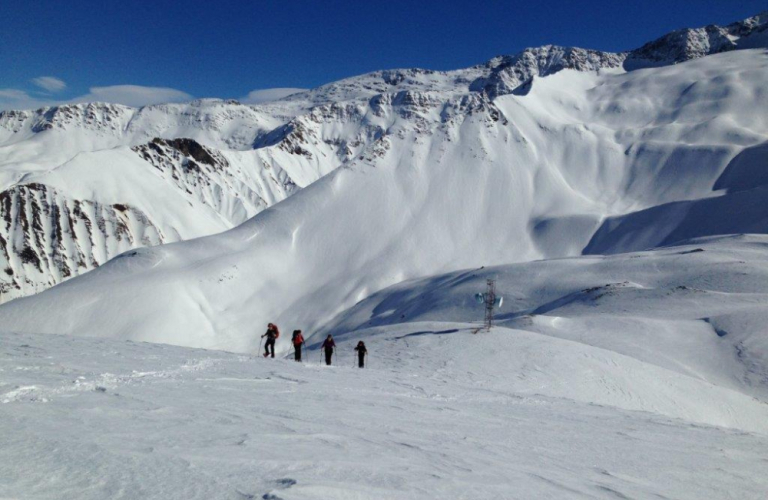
{"x": 439, "y": 414}
{"x": 640, "y": 375}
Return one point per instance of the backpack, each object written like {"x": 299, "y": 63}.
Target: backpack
{"x": 277, "y": 332}
{"x": 297, "y": 338}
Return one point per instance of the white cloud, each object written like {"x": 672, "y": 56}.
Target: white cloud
{"x": 266, "y": 95}
{"x": 130, "y": 95}
{"x": 49, "y": 83}
{"x": 13, "y": 94}
{"x": 18, "y": 99}
{"x": 133, "y": 95}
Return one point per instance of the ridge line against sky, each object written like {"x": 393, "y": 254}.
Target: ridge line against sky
{"x": 82, "y": 50}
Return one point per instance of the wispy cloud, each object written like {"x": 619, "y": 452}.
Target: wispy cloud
{"x": 50, "y": 83}
{"x": 18, "y": 99}
{"x": 13, "y": 94}
{"x": 133, "y": 95}
{"x": 266, "y": 95}
{"x": 129, "y": 95}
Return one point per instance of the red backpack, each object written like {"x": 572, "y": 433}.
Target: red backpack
{"x": 277, "y": 332}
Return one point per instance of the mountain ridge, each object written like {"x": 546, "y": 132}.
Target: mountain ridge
{"x": 453, "y": 184}
{"x": 265, "y": 153}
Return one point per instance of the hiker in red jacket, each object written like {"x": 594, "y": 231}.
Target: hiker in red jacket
{"x": 298, "y": 342}
{"x": 328, "y": 346}
{"x": 272, "y": 334}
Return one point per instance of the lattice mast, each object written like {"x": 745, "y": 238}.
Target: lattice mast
{"x": 490, "y": 302}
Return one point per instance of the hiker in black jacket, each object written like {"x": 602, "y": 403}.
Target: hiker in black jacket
{"x": 328, "y": 346}
{"x": 272, "y": 334}
{"x": 362, "y": 352}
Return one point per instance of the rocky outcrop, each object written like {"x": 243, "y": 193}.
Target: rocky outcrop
{"x": 46, "y": 237}
{"x": 95, "y": 116}
{"x": 692, "y": 43}
{"x": 208, "y": 178}
{"x": 508, "y": 73}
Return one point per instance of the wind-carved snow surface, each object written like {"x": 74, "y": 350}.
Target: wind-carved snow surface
{"x": 587, "y": 388}
{"x": 688, "y": 315}
{"x": 77, "y": 155}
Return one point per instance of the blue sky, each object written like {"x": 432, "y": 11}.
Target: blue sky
{"x": 140, "y": 51}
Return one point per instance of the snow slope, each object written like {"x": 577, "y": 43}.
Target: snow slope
{"x": 84, "y": 183}
{"x": 693, "y": 312}
{"x": 80, "y": 184}
{"x": 100, "y": 418}
{"x": 676, "y": 331}
{"x": 564, "y": 168}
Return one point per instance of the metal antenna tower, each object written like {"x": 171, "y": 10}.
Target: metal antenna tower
{"x": 490, "y": 302}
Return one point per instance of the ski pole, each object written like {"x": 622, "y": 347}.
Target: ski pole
{"x": 260, "y": 341}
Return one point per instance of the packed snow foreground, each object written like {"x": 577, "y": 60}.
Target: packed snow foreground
{"x": 620, "y": 207}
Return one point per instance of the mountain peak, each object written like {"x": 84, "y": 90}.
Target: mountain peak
{"x": 691, "y": 43}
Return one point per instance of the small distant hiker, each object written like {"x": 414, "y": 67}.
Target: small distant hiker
{"x": 362, "y": 352}
{"x": 298, "y": 341}
{"x": 272, "y": 334}
{"x": 328, "y": 346}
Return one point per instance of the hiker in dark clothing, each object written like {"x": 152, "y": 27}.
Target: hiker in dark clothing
{"x": 328, "y": 346}
{"x": 298, "y": 342}
{"x": 272, "y": 334}
{"x": 362, "y": 352}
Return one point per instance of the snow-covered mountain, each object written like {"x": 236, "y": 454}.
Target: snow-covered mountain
{"x": 434, "y": 177}
{"x": 83, "y": 183}
{"x": 607, "y": 195}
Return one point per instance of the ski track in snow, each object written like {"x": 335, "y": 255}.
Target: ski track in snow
{"x": 101, "y": 382}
